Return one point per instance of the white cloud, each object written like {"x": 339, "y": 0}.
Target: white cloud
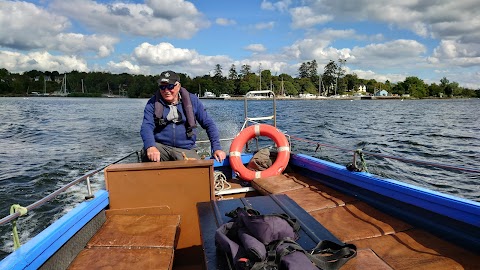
{"x": 37, "y": 29}
{"x": 22, "y": 21}
{"x": 256, "y": 48}
{"x": 454, "y": 53}
{"x": 155, "y": 18}
{"x": 318, "y": 46}
{"x": 430, "y": 18}
{"x": 265, "y": 25}
{"x": 225, "y": 22}
{"x": 304, "y": 17}
{"x": 126, "y": 67}
{"x": 162, "y": 54}
{"x": 44, "y": 61}
{"x": 73, "y": 43}
{"x": 390, "y": 53}
{"x": 279, "y": 5}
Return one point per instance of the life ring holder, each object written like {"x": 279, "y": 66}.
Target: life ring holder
{"x": 236, "y": 148}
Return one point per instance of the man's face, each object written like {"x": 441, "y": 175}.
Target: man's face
{"x": 169, "y": 92}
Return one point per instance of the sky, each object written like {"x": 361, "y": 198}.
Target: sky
{"x": 379, "y": 39}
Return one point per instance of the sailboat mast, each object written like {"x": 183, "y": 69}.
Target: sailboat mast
{"x": 65, "y": 83}
{"x": 283, "y": 89}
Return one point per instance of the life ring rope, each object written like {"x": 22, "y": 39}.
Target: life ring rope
{"x": 283, "y": 148}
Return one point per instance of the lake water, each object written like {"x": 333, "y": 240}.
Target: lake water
{"x": 47, "y": 142}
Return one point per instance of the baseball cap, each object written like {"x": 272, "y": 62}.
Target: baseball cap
{"x": 169, "y": 77}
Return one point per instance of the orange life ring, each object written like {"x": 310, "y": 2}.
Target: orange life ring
{"x": 249, "y": 133}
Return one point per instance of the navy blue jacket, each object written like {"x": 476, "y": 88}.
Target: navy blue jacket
{"x": 175, "y": 134}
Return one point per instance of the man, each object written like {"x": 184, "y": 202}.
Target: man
{"x": 169, "y": 123}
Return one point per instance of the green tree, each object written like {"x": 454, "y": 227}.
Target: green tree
{"x": 456, "y": 89}
{"x": 303, "y": 70}
{"x": 399, "y": 89}
{"x": 232, "y": 73}
{"x": 415, "y": 87}
{"x": 306, "y": 86}
{"x": 444, "y": 82}
{"x": 218, "y": 71}
{"x": 435, "y": 90}
{"x": 246, "y": 69}
{"x": 351, "y": 81}
{"x": 341, "y": 83}
{"x": 4, "y": 73}
{"x": 371, "y": 85}
{"x": 330, "y": 76}
{"x": 5, "y": 82}
{"x": 313, "y": 70}
{"x": 266, "y": 79}
{"x": 290, "y": 89}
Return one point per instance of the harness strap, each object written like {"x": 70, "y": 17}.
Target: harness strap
{"x": 330, "y": 255}
{"x": 187, "y": 107}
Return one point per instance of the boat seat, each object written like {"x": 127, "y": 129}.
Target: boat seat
{"x": 131, "y": 242}
{"x": 418, "y": 249}
{"x": 309, "y": 194}
{"x": 358, "y": 220}
{"x": 277, "y": 184}
{"x": 332, "y": 208}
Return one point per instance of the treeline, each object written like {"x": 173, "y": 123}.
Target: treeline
{"x": 333, "y": 81}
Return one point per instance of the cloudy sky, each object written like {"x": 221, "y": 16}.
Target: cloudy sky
{"x": 380, "y": 39}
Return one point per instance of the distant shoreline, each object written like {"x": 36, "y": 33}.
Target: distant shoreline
{"x": 266, "y": 98}
{"x": 335, "y": 98}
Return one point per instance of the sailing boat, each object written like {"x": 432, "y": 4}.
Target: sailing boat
{"x": 45, "y": 87}
{"x": 63, "y": 88}
{"x": 110, "y": 92}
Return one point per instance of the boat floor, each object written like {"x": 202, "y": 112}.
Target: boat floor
{"x": 383, "y": 241}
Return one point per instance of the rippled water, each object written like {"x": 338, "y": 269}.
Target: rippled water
{"x": 48, "y": 142}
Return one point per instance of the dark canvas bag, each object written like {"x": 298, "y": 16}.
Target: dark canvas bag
{"x": 268, "y": 228}
{"x": 261, "y": 242}
{"x": 249, "y": 233}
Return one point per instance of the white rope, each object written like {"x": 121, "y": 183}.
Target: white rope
{"x": 221, "y": 181}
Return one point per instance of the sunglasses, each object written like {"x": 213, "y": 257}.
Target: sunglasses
{"x": 167, "y": 86}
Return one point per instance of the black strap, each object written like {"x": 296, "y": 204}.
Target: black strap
{"x": 187, "y": 107}
{"x": 329, "y": 255}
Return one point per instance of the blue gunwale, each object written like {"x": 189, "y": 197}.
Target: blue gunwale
{"x": 460, "y": 209}
{"x": 39, "y": 249}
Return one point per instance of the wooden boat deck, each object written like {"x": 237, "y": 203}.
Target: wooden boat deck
{"x": 398, "y": 244}
{"x": 383, "y": 241}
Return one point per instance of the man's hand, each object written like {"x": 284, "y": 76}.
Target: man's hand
{"x": 153, "y": 154}
{"x": 219, "y": 155}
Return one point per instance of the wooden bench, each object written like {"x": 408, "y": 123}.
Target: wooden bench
{"x": 131, "y": 242}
